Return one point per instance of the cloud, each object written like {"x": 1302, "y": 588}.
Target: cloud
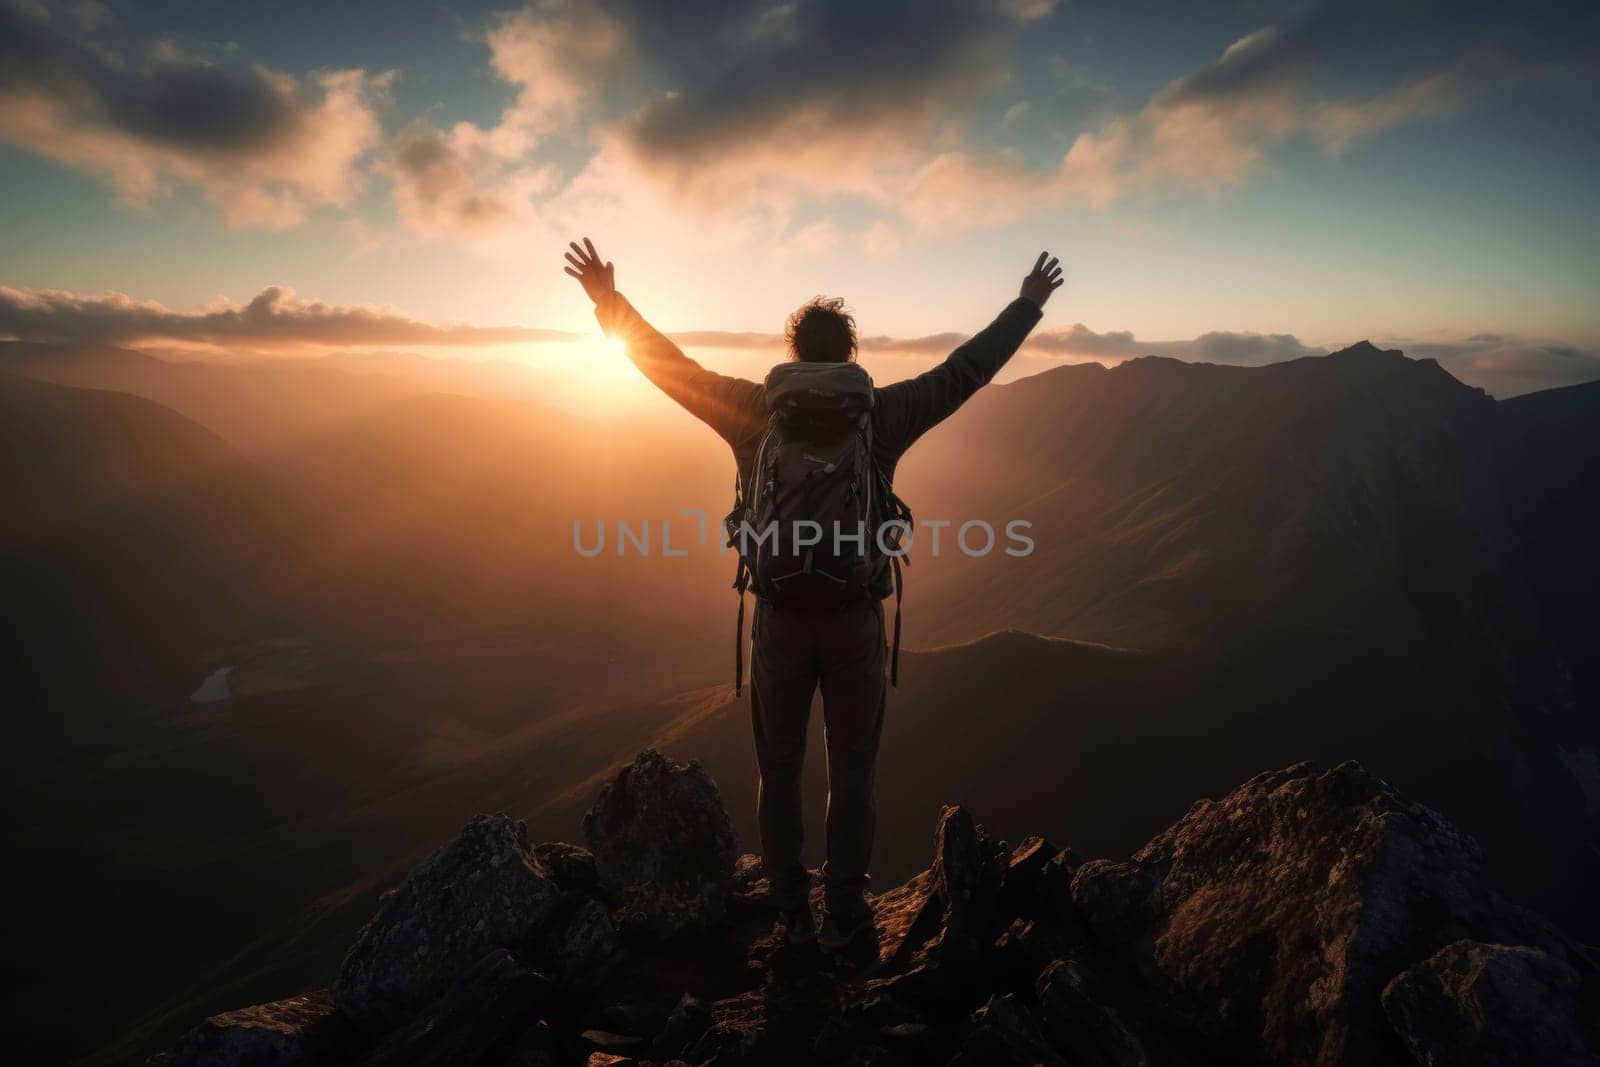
{"x": 731, "y": 117}
{"x": 802, "y": 100}
{"x": 476, "y": 182}
{"x": 275, "y": 318}
{"x": 264, "y": 147}
{"x": 1207, "y": 130}
{"x": 1507, "y": 365}
{"x": 737, "y": 121}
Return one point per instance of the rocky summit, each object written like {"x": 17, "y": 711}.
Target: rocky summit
{"x": 1308, "y": 917}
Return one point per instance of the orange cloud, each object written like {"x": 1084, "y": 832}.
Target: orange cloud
{"x": 275, "y": 318}
{"x": 264, "y": 147}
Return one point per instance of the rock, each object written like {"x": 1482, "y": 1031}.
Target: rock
{"x": 871, "y": 1056}
{"x": 1026, "y": 948}
{"x": 580, "y": 950}
{"x": 749, "y": 874}
{"x": 606, "y": 1041}
{"x": 1022, "y": 880}
{"x": 1471, "y": 1003}
{"x": 968, "y": 866}
{"x": 689, "y": 1019}
{"x": 904, "y": 918}
{"x": 1306, "y": 918}
{"x": 1091, "y": 1035}
{"x": 571, "y": 867}
{"x": 664, "y": 848}
{"x": 1274, "y": 917}
{"x": 484, "y": 1011}
{"x": 1004, "y": 1032}
{"x": 536, "y": 1047}
{"x": 285, "y": 1033}
{"x": 1054, "y": 893}
{"x": 481, "y": 892}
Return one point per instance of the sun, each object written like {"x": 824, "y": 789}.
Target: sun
{"x": 604, "y": 356}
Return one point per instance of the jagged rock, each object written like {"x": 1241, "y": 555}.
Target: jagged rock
{"x": 571, "y": 867}
{"x": 580, "y": 949}
{"x": 1054, "y": 894}
{"x": 945, "y": 913}
{"x": 1274, "y": 917}
{"x": 481, "y": 892}
{"x": 483, "y": 1012}
{"x": 1022, "y": 880}
{"x": 689, "y": 1019}
{"x": 606, "y": 1041}
{"x": 903, "y": 917}
{"x": 749, "y": 875}
{"x": 1026, "y": 948}
{"x": 1090, "y": 1034}
{"x": 664, "y": 847}
{"x": 536, "y": 1047}
{"x": 1004, "y": 1032}
{"x": 1471, "y": 1003}
{"x": 302, "y": 1030}
{"x": 968, "y": 866}
{"x": 871, "y": 1056}
{"x": 1260, "y": 928}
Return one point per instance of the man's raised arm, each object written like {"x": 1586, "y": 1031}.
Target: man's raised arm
{"x": 909, "y": 409}
{"x": 731, "y": 406}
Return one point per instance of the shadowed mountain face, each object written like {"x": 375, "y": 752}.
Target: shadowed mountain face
{"x": 1353, "y": 556}
{"x": 1349, "y": 496}
{"x": 132, "y": 536}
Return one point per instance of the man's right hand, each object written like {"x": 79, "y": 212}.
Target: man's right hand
{"x": 1044, "y": 279}
{"x": 597, "y": 278}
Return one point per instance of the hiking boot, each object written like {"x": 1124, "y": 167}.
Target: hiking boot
{"x": 799, "y": 925}
{"x": 841, "y": 926}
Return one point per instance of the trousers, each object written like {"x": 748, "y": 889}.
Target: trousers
{"x": 793, "y": 652}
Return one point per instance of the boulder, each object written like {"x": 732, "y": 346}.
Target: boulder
{"x": 1472, "y": 1003}
{"x": 302, "y": 1030}
{"x": 1026, "y": 948}
{"x": 1003, "y": 1033}
{"x": 571, "y": 867}
{"x": 689, "y": 1019}
{"x": 537, "y": 1047}
{"x": 484, "y": 1012}
{"x": 1022, "y": 882}
{"x": 663, "y": 846}
{"x": 579, "y": 948}
{"x": 481, "y": 892}
{"x": 1306, "y": 918}
{"x": 968, "y": 867}
{"x": 1274, "y": 917}
{"x": 1090, "y": 1034}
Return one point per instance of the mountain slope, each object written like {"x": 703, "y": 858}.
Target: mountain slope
{"x": 1185, "y": 504}
{"x": 132, "y": 535}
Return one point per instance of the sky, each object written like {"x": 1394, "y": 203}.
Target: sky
{"x": 1235, "y": 182}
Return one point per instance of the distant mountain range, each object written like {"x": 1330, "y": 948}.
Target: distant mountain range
{"x": 1351, "y": 556}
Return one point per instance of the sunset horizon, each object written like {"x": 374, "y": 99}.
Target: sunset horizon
{"x": 800, "y": 533}
{"x": 1247, "y": 196}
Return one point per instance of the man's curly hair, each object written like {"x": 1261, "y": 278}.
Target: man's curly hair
{"x": 821, "y": 331}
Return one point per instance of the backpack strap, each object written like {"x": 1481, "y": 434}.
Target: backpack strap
{"x": 741, "y": 581}
{"x": 894, "y": 656}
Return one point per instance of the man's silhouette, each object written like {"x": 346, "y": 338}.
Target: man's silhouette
{"x": 795, "y": 650}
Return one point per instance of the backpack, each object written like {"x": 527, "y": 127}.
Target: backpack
{"x": 814, "y": 476}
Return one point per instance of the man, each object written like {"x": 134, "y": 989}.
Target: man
{"x": 842, "y": 649}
